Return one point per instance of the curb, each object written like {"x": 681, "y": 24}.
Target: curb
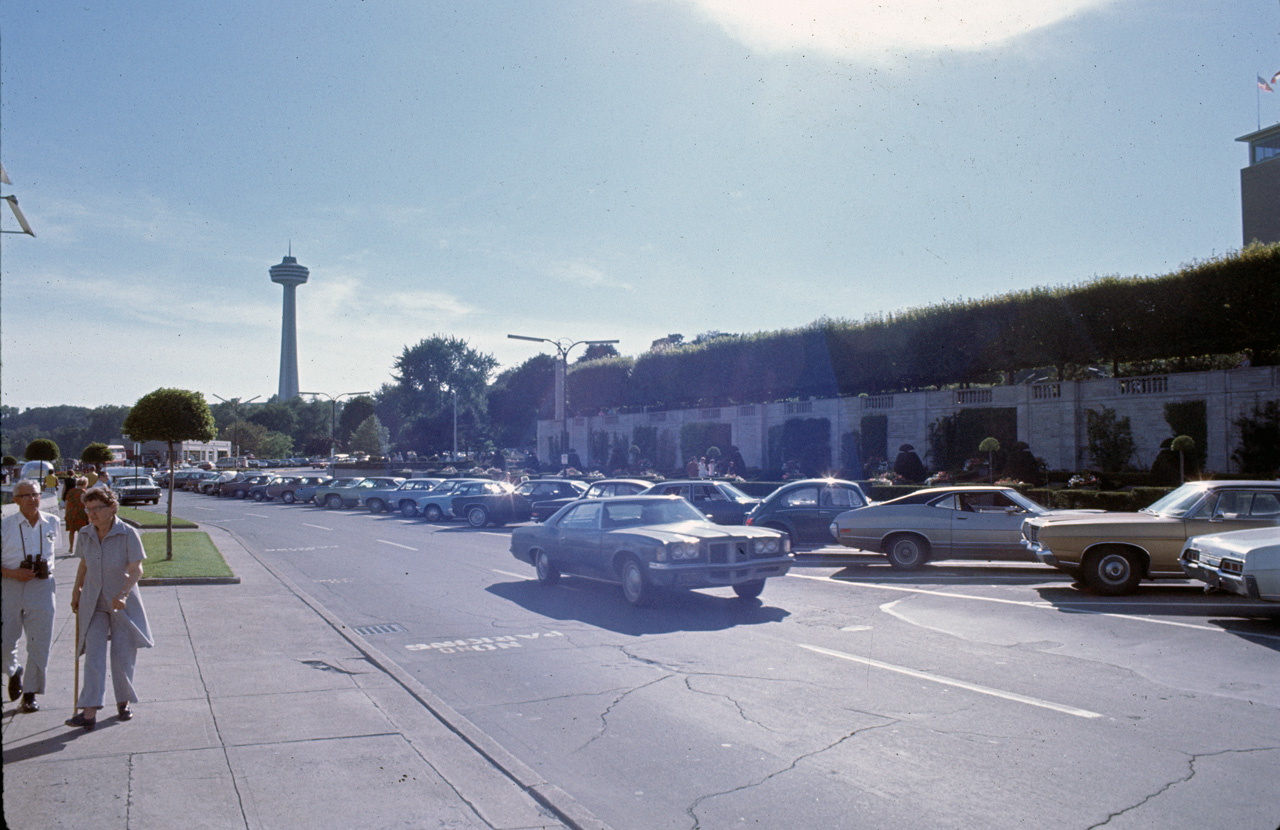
{"x": 563, "y": 805}
{"x": 153, "y": 581}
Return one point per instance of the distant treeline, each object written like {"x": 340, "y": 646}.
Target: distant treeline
{"x": 1225, "y": 307}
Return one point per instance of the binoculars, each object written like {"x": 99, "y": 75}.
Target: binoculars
{"x": 38, "y": 565}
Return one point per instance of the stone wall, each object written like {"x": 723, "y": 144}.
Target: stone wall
{"x": 1051, "y": 416}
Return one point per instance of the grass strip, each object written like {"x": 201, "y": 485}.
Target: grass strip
{"x": 147, "y": 519}
{"x": 194, "y": 554}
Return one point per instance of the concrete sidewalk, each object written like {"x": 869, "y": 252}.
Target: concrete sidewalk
{"x": 259, "y": 710}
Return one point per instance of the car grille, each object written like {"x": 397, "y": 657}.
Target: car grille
{"x": 1030, "y": 533}
{"x": 733, "y": 552}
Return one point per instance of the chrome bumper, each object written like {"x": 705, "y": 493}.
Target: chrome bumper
{"x": 1041, "y": 553}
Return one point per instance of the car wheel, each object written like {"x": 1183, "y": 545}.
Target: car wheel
{"x": 408, "y": 509}
{"x": 333, "y": 502}
{"x": 749, "y": 590}
{"x": 635, "y": 586}
{"x": 1113, "y": 572}
{"x": 432, "y": 513}
{"x": 477, "y": 516}
{"x": 288, "y": 497}
{"x": 258, "y": 495}
{"x": 375, "y": 505}
{"x": 547, "y": 573}
{"x": 907, "y": 552}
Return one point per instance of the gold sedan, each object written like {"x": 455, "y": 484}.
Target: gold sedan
{"x": 1113, "y": 552}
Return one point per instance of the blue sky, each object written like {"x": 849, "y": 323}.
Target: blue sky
{"x": 586, "y": 170}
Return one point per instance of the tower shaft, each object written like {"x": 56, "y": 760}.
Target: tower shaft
{"x": 289, "y": 345}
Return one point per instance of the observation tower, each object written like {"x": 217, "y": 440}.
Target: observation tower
{"x": 289, "y": 274}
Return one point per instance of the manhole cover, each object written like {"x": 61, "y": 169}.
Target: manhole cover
{"x": 384, "y": 628}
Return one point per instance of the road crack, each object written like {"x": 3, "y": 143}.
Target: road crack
{"x": 691, "y": 810}
{"x": 1191, "y": 773}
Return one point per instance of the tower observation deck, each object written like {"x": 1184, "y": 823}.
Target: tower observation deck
{"x": 290, "y": 275}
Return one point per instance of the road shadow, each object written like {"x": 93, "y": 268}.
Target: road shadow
{"x": 602, "y": 605}
{"x": 874, "y": 568}
{"x": 1255, "y": 620}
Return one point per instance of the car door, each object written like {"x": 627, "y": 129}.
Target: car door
{"x": 577, "y": 540}
{"x": 798, "y": 508}
{"x": 987, "y": 525}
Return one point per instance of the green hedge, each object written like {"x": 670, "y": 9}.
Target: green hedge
{"x": 1193, "y": 312}
{"x": 1127, "y": 501}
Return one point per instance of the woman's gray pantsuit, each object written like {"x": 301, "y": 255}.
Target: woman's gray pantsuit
{"x": 127, "y": 630}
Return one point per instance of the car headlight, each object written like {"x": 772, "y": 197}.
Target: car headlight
{"x": 769, "y": 545}
{"x": 682, "y": 551}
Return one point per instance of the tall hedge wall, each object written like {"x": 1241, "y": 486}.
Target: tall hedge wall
{"x": 1220, "y": 306}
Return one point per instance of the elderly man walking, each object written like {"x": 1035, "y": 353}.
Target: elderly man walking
{"x": 28, "y": 541}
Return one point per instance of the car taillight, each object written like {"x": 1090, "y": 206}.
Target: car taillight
{"x": 1232, "y": 566}
{"x": 748, "y": 520}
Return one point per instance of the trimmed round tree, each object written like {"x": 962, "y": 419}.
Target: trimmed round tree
{"x": 990, "y": 446}
{"x": 97, "y": 454}
{"x": 1182, "y": 445}
{"x": 171, "y": 416}
{"x": 42, "y": 449}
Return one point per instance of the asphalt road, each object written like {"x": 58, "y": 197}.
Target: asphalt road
{"x": 849, "y": 695}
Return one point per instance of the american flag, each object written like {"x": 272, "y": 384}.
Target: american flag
{"x": 1263, "y": 85}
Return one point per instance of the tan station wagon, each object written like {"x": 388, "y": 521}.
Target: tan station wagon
{"x": 1113, "y": 552}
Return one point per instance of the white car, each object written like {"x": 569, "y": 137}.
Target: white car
{"x": 1246, "y": 562}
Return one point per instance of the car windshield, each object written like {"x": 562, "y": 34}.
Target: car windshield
{"x": 619, "y": 513}
{"x": 1177, "y": 504}
{"x": 1025, "y": 503}
{"x": 733, "y": 492}
{"x": 134, "y": 482}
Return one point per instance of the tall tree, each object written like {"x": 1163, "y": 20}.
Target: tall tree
{"x": 354, "y": 413}
{"x": 519, "y": 397}
{"x": 370, "y": 437}
{"x": 172, "y": 416}
{"x": 275, "y": 416}
{"x": 426, "y": 377}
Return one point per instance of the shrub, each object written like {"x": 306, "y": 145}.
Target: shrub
{"x": 1259, "y": 450}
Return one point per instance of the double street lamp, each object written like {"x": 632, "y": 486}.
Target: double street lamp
{"x": 563, "y": 346}
{"x": 333, "y": 420}
{"x": 235, "y": 434}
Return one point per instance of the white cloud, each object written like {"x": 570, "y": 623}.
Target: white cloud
{"x": 583, "y": 274}
{"x": 882, "y": 29}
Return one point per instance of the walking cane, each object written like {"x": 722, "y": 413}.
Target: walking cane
{"x": 75, "y": 689}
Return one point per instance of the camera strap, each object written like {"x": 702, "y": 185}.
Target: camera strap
{"x": 22, "y": 535}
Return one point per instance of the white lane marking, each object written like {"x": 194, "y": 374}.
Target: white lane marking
{"x": 397, "y": 545}
{"x": 258, "y": 515}
{"x": 1065, "y": 608}
{"x": 317, "y": 527}
{"x": 509, "y": 573}
{"x": 490, "y": 533}
{"x": 192, "y": 507}
{"x": 407, "y": 522}
{"x": 959, "y": 684}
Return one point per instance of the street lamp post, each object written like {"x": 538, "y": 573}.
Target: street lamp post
{"x": 563, "y": 346}
{"x": 235, "y": 430}
{"x": 333, "y": 420}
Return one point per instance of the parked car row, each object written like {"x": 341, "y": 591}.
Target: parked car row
{"x": 1186, "y": 533}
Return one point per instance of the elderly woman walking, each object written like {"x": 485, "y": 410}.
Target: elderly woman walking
{"x": 108, "y": 607}
{"x": 75, "y": 515}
